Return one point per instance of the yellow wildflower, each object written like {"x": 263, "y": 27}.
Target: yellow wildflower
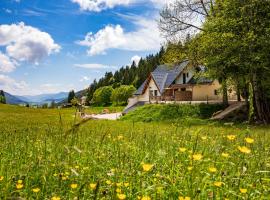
{"x": 249, "y": 140}
{"x": 243, "y": 191}
{"x": 64, "y": 178}
{"x": 77, "y": 167}
{"x": 218, "y": 184}
{"x": 183, "y": 198}
{"x": 119, "y": 137}
{"x": 19, "y": 186}
{"x": 74, "y": 186}
{"x": 231, "y": 137}
{"x": 190, "y": 168}
{"x": 197, "y": 156}
{"x": 35, "y": 190}
{"x": 1, "y": 178}
{"x": 19, "y": 181}
{"x": 225, "y": 155}
{"x": 204, "y": 137}
{"x": 121, "y": 196}
{"x": 182, "y": 149}
{"x": 145, "y": 198}
{"x": 212, "y": 169}
{"x": 108, "y": 182}
{"x": 118, "y": 184}
{"x": 244, "y": 149}
{"x": 55, "y": 198}
{"x": 126, "y": 184}
{"x": 147, "y": 167}
{"x": 118, "y": 190}
{"x": 93, "y": 186}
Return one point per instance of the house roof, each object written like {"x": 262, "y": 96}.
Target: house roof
{"x": 163, "y": 76}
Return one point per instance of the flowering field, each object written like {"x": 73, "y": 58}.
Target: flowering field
{"x": 45, "y": 156}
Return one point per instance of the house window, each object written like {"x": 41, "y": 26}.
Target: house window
{"x": 187, "y": 75}
{"x": 215, "y": 92}
{"x": 155, "y": 93}
{"x": 183, "y": 89}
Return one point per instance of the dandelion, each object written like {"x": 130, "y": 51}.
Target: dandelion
{"x": 119, "y": 137}
{"x": 35, "y": 190}
{"x": 225, "y": 155}
{"x": 197, "y": 157}
{"x": 145, "y": 198}
{"x": 231, "y": 137}
{"x": 218, "y": 184}
{"x": 118, "y": 190}
{"x": 212, "y": 169}
{"x": 55, "y": 198}
{"x": 118, "y": 184}
{"x": 1, "y": 178}
{"x": 121, "y": 196}
{"x": 126, "y": 184}
{"x": 182, "y": 149}
{"x": 243, "y": 191}
{"x": 244, "y": 149}
{"x": 108, "y": 182}
{"x": 183, "y": 198}
{"x": 147, "y": 167}
{"x": 93, "y": 186}
{"x": 249, "y": 140}
{"x": 204, "y": 137}
{"x": 74, "y": 186}
{"x": 19, "y": 186}
{"x": 19, "y": 181}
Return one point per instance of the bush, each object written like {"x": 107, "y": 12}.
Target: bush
{"x": 172, "y": 112}
{"x": 121, "y": 94}
{"x": 102, "y": 96}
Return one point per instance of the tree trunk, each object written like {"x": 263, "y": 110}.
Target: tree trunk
{"x": 225, "y": 92}
{"x": 262, "y": 105}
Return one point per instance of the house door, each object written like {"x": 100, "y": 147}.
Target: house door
{"x": 184, "y": 78}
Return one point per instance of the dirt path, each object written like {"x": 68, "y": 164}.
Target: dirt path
{"x": 227, "y": 111}
{"x": 111, "y": 116}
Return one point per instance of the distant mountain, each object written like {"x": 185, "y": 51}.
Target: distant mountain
{"x": 11, "y": 99}
{"x": 44, "y": 98}
{"x": 78, "y": 95}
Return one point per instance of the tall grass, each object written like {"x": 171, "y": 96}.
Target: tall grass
{"x": 42, "y": 159}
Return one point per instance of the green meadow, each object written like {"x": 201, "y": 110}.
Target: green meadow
{"x": 51, "y": 154}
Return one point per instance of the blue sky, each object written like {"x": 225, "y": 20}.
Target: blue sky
{"x": 52, "y": 46}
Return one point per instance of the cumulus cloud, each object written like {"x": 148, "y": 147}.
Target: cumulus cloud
{"x": 145, "y": 38}
{"x": 99, "y": 5}
{"x": 93, "y": 66}
{"x": 26, "y": 43}
{"x": 136, "y": 59}
{"x": 11, "y": 85}
{"x": 7, "y": 64}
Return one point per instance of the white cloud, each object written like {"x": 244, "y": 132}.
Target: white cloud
{"x": 136, "y": 59}
{"x": 99, "y": 5}
{"x": 145, "y": 38}
{"x": 26, "y": 43}
{"x": 85, "y": 78}
{"x": 7, "y": 64}
{"x": 10, "y": 85}
{"x": 94, "y": 66}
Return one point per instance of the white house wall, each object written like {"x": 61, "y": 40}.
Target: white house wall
{"x": 190, "y": 72}
{"x": 151, "y": 86}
